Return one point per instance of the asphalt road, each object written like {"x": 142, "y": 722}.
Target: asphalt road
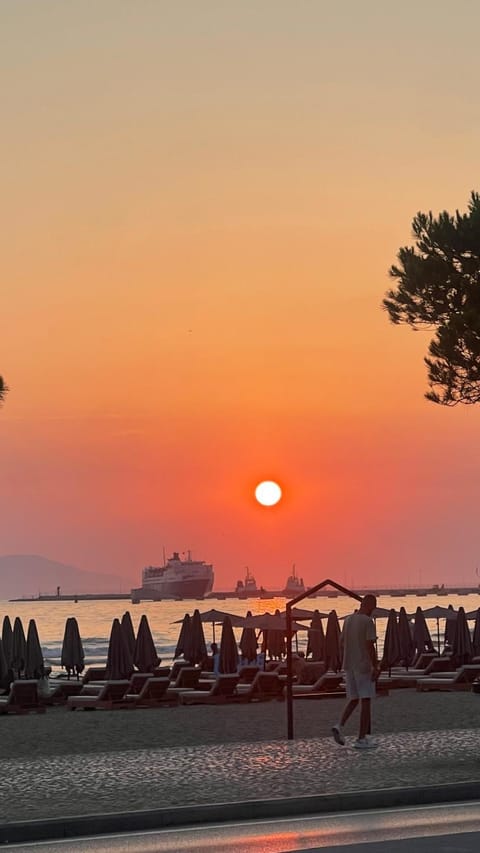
{"x": 441, "y": 829}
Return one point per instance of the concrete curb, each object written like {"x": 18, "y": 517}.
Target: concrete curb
{"x": 181, "y": 816}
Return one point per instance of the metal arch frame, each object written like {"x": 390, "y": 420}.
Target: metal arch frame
{"x": 289, "y": 636}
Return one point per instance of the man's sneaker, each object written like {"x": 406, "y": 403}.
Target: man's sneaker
{"x": 338, "y": 735}
{"x": 364, "y": 744}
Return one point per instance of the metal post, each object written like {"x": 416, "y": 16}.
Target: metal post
{"x": 289, "y": 672}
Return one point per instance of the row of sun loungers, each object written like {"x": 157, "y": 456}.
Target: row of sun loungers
{"x": 187, "y": 685}
{"x": 439, "y": 673}
{"x": 143, "y": 690}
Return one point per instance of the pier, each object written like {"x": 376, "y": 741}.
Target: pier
{"x": 222, "y": 595}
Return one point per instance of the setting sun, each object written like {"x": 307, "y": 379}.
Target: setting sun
{"x": 268, "y": 493}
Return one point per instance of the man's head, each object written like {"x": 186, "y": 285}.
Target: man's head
{"x": 369, "y": 603}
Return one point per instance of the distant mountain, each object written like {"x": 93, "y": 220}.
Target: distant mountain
{"x": 29, "y": 574}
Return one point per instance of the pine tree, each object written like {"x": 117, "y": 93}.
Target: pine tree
{"x": 438, "y": 288}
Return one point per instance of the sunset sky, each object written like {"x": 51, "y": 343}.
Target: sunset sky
{"x": 200, "y": 204}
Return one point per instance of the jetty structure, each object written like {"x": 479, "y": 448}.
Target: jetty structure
{"x": 259, "y": 593}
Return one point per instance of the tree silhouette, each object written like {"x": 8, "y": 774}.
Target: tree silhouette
{"x": 3, "y": 390}
{"x": 438, "y": 288}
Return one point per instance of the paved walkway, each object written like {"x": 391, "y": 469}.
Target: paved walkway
{"x": 151, "y": 779}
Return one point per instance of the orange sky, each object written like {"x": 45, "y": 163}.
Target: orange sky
{"x": 202, "y": 203}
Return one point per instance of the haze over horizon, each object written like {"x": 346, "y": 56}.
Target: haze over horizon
{"x": 203, "y": 201}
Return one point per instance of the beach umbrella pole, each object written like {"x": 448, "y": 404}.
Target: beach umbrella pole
{"x": 438, "y": 635}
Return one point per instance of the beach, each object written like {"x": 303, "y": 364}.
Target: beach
{"x": 62, "y": 764}
{"x": 62, "y": 732}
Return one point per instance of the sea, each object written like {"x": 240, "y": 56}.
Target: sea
{"x": 95, "y": 619}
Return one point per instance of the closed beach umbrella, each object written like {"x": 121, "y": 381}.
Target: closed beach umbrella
{"x": 391, "y": 644}
{"x": 196, "y": 650}
{"x": 33, "y": 653}
{"x": 183, "y": 640}
{"x": 450, "y": 625}
{"x": 422, "y": 641}
{"x": 405, "y": 639}
{"x": 119, "y": 659}
{"x": 462, "y": 641}
{"x": 4, "y": 678}
{"x": 7, "y": 641}
{"x": 274, "y": 639}
{"x": 19, "y": 647}
{"x": 476, "y": 634}
{"x": 228, "y": 661}
{"x": 274, "y": 644}
{"x": 248, "y": 642}
{"x": 145, "y": 656}
{"x": 333, "y": 657}
{"x": 73, "y": 656}
{"x": 316, "y": 638}
{"x": 128, "y": 632}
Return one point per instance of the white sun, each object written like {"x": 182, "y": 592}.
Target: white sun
{"x": 268, "y": 493}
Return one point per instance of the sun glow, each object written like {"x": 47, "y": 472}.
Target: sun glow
{"x": 268, "y": 493}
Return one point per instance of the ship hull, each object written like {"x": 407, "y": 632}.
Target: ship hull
{"x": 174, "y": 589}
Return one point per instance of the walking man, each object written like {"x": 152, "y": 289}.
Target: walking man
{"x": 361, "y": 670}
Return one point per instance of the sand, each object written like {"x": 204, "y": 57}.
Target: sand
{"x": 63, "y": 732}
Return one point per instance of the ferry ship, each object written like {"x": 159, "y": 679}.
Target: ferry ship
{"x": 176, "y": 579}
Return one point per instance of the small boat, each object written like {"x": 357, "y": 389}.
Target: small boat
{"x": 247, "y": 587}
{"x": 294, "y": 585}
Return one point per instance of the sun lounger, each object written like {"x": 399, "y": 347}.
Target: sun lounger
{"x": 410, "y": 678}
{"x": 60, "y": 691}
{"x": 22, "y": 699}
{"x": 177, "y": 666}
{"x": 265, "y": 685}
{"x": 461, "y": 680}
{"x": 247, "y": 673}
{"x": 153, "y": 694}
{"x": 327, "y": 683}
{"x": 137, "y": 680}
{"x": 434, "y": 665}
{"x": 222, "y": 689}
{"x": 94, "y": 673}
{"x": 112, "y": 695}
{"x": 187, "y": 679}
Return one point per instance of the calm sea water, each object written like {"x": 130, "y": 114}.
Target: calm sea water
{"x": 95, "y": 618}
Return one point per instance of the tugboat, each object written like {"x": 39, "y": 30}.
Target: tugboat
{"x": 294, "y": 585}
{"x": 439, "y": 590}
{"x": 246, "y": 588}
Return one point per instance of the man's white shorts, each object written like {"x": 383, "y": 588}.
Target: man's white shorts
{"x": 359, "y": 685}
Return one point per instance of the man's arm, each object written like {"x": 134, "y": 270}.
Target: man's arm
{"x": 372, "y": 653}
